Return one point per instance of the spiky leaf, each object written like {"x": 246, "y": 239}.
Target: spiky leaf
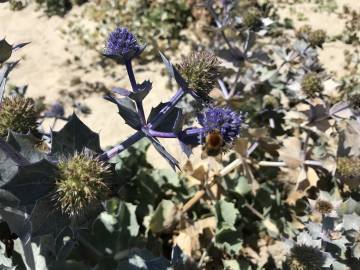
{"x": 32, "y": 182}
{"x": 171, "y": 123}
{"x": 5, "y": 50}
{"x": 73, "y": 138}
{"x": 27, "y": 145}
{"x": 127, "y": 110}
{"x": 47, "y": 219}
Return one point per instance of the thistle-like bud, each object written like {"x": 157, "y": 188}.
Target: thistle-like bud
{"x": 304, "y": 257}
{"x": 354, "y": 101}
{"x": 252, "y": 19}
{"x": 122, "y": 45}
{"x": 80, "y": 183}
{"x": 18, "y": 114}
{"x": 311, "y": 85}
{"x": 200, "y": 70}
{"x": 348, "y": 166}
{"x": 317, "y": 38}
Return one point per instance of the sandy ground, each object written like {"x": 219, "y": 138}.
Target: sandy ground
{"x": 44, "y": 69}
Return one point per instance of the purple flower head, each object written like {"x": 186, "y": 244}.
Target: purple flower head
{"x": 121, "y": 42}
{"x": 224, "y": 120}
{"x": 56, "y": 110}
{"x": 225, "y": 2}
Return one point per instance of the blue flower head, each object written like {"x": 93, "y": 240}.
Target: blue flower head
{"x": 223, "y": 120}
{"x": 225, "y": 2}
{"x": 122, "y": 44}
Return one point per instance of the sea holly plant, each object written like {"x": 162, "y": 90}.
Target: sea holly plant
{"x": 282, "y": 193}
{"x": 195, "y": 75}
{"x": 60, "y": 180}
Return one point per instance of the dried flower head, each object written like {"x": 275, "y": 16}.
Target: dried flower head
{"x": 18, "y": 114}
{"x": 223, "y": 120}
{"x": 252, "y": 19}
{"x": 80, "y": 183}
{"x": 311, "y": 85}
{"x": 200, "y": 70}
{"x": 354, "y": 101}
{"x": 325, "y": 204}
{"x": 317, "y": 38}
{"x": 303, "y": 32}
{"x": 121, "y": 42}
{"x": 323, "y": 207}
{"x": 348, "y": 166}
{"x": 304, "y": 257}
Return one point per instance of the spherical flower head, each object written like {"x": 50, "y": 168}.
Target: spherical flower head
{"x": 252, "y": 19}
{"x": 80, "y": 183}
{"x": 200, "y": 70}
{"x": 223, "y": 120}
{"x": 18, "y": 114}
{"x": 56, "y": 110}
{"x": 304, "y": 257}
{"x": 311, "y": 85}
{"x": 121, "y": 42}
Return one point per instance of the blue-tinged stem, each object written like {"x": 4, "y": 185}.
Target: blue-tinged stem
{"x": 194, "y": 131}
{"x": 154, "y": 123}
{"x": 160, "y": 134}
{"x": 122, "y": 146}
{"x": 132, "y": 79}
{"x": 165, "y": 111}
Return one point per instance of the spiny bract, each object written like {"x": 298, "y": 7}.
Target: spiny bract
{"x": 18, "y": 114}
{"x": 80, "y": 183}
{"x": 200, "y": 70}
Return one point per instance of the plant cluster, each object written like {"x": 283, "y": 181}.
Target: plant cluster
{"x": 277, "y": 186}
